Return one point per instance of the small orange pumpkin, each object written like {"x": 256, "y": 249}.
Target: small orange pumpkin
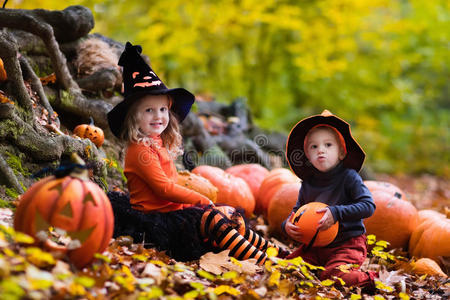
{"x": 394, "y": 219}
{"x": 281, "y": 205}
{"x": 3, "y": 75}
{"x": 307, "y": 220}
{"x": 89, "y": 131}
{"x": 197, "y": 183}
{"x": 253, "y": 174}
{"x": 233, "y": 191}
{"x": 72, "y": 204}
{"x": 270, "y": 185}
{"x": 431, "y": 238}
{"x": 427, "y": 266}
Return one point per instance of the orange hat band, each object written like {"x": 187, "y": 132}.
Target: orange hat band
{"x": 339, "y": 135}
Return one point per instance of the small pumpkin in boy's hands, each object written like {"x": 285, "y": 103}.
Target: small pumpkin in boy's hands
{"x": 90, "y": 131}
{"x": 307, "y": 219}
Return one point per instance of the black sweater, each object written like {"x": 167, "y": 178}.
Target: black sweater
{"x": 344, "y": 192}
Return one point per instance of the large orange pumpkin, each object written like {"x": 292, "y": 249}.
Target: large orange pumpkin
{"x": 3, "y": 75}
{"x": 431, "y": 238}
{"x": 253, "y": 174}
{"x": 233, "y": 191}
{"x": 281, "y": 205}
{"x": 72, "y": 204}
{"x": 307, "y": 220}
{"x": 270, "y": 185}
{"x": 90, "y": 131}
{"x": 394, "y": 219}
{"x": 374, "y": 185}
{"x": 197, "y": 183}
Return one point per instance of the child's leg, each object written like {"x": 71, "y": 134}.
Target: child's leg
{"x": 216, "y": 227}
{"x": 352, "y": 252}
{"x": 261, "y": 243}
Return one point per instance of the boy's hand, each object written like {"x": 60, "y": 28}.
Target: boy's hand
{"x": 292, "y": 230}
{"x": 327, "y": 220}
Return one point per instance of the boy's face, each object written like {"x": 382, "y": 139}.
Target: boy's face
{"x": 153, "y": 114}
{"x": 323, "y": 149}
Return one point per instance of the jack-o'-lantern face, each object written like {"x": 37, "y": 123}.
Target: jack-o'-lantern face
{"x": 145, "y": 79}
{"x": 68, "y": 215}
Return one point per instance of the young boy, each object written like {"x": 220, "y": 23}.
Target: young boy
{"x": 323, "y": 153}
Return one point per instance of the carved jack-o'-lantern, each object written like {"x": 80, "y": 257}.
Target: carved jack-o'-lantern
{"x": 75, "y": 207}
{"x": 89, "y": 131}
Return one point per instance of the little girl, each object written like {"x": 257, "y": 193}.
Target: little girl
{"x": 160, "y": 212}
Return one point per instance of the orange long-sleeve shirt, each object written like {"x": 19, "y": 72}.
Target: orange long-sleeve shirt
{"x": 152, "y": 177}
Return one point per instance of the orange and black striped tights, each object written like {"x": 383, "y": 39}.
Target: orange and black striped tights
{"x": 226, "y": 233}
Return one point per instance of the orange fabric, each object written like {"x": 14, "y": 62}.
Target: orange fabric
{"x": 152, "y": 177}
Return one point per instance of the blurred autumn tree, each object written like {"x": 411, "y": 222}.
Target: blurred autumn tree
{"x": 380, "y": 64}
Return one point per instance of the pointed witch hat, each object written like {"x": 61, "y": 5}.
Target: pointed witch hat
{"x": 139, "y": 80}
{"x": 295, "y": 152}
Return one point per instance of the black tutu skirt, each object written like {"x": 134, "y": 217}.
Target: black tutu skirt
{"x": 176, "y": 232}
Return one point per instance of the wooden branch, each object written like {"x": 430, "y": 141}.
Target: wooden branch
{"x": 8, "y": 52}
{"x": 44, "y": 148}
{"x": 36, "y": 84}
{"x": 101, "y": 80}
{"x": 67, "y": 24}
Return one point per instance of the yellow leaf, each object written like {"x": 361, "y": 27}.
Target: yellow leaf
{"x": 235, "y": 261}
{"x": 139, "y": 257}
{"x": 383, "y": 244}
{"x": 197, "y": 285}
{"x": 327, "y": 282}
{"x": 106, "y": 259}
{"x": 403, "y": 296}
{"x": 371, "y": 239}
{"x": 230, "y": 275}
{"x": 191, "y": 294}
{"x": 23, "y": 238}
{"x": 355, "y": 297}
{"x": 38, "y": 257}
{"x": 226, "y": 289}
{"x": 206, "y": 275}
{"x": 272, "y": 252}
{"x": 274, "y": 278}
{"x": 378, "y": 297}
{"x": 158, "y": 262}
{"x": 76, "y": 289}
{"x": 85, "y": 281}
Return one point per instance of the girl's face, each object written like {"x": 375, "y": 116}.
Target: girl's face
{"x": 153, "y": 114}
{"x": 323, "y": 149}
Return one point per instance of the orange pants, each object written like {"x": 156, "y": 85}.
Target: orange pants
{"x": 353, "y": 251}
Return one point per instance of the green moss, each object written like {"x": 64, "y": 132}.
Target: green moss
{"x": 16, "y": 165}
{"x": 6, "y": 204}
{"x": 66, "y": 98}
{"x": 11, "y": 193}
{"x": 8, "y": 127}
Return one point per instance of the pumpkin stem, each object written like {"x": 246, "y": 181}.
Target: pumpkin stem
{"x": 80, "y": 173}
{"x": 447, "y": 212}
{"x": 92, "y": 120}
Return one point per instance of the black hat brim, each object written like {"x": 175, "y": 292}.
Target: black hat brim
{"x": 182, "y": 101}
{"x": 295, "y": 153}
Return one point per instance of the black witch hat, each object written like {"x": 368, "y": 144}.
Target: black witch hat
{"x": 295, "y": 153}
{"x": 139, "y": 80}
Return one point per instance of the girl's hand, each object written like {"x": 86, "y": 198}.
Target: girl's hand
{"x": 327, "y": 220}
{"x": 292, "y": 230}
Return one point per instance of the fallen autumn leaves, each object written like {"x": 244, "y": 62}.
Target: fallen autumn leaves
{"x": 130, "y": 271}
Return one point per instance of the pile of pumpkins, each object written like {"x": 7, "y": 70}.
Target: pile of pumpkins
{"x": 423, "y": 233}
